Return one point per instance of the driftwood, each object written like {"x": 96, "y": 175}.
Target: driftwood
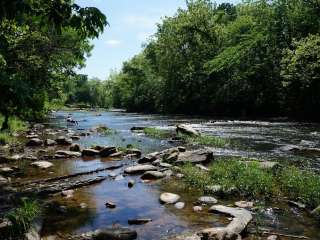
{"x": 67, "y": 176}
{"x": 241, "y": 218}
{"x": 60, "y": 186}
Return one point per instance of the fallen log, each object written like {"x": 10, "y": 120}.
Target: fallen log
{"x": 67, "y": 176}
{"x": 241, "y": 218}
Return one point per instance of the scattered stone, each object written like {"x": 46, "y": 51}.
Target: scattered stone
{"x": 297, "y": 204}
{"x": 197, "y": 209}
{"x": 3, "y": 180}
{"x": 133, "y": 151}
{"x": 203, "y": 168}
{"x": 83, "y": 205}
{"x": 50, "y": 142}
{"x": 33, "y": 135}
{"x": 273, "y": 237}
{"x": 33, "y": 142}
{"x": 116, "y": 155}
{"x": 64, "y": 141}
{"x": 152, "y": 175}
{"x": 107, "y": 151}
{"x": 131, "y": 183}
{"x": 139, "y": 221}
{"x": 75, "y": 148}
{"x": 169, "y": 198}
{"x": 147, "y": 159}
{"x": 42, "y": 164}
{"x": 75, "y": 137}
{"x": 244, "y": 204}
{"x": 110, "y": 204}
{"x": 119, "y": 178}
{"x": 168, "y": 173}
{"x": 179, "y": 175}
{"x": 6, "y": 170}
{"x": 181, "y": 149}
{"x": 207, "y": 200}
{"x": 165, "y": 165}
{"x": 89, "y": 152}
{"x": 265, "y": 164}
{"x": 179, "y": 205}
{"x": 185, "y": 129}
{"x": 139, "y": 169}
{"x": 67, "y": 193}
{"x": 173, "y": 157}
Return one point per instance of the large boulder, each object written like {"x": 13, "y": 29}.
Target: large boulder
{"x": 186, "y": 129}
{"x": 196, "y": 157}
{"x": 33, "y": 142}
{"x": 139, "y": 169}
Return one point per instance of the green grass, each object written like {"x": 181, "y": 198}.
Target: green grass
{"x": 206, "y": 140}
{"x": 250, "y": 180}
{"x": 15, "y": 125}
{"x": 22, "y": 218}
{"x": 157, "y": 133}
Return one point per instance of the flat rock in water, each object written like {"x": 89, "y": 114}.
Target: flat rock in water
{"x": 186, "y": 129}
{"x": 110, "y": 204}
{"x": 207, "y": 200}
{"x": 33, "y": 142}
{"x": 198, "y": 156}
{"x": 133, "y": 151}
{"x": 169, "y": 198}
{"x": 42, "y": 164}
{"x": 152, "y": 175}
{"x": 139, "y": 221}
{"x": 139, "y": 169}
{"x": 116, "y": 154}
{"x": 244, "y": 204}
{"x": 89, "y": 152}
{"x": 114, "y": 233}
{"x": 68, "y": 154}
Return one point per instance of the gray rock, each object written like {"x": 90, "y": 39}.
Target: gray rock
{"x": 273, "y": 237}
{"x": 33, "y": 142}
{"x": 3, "y": 180}
{"x": 110, "y": 204}
{"x": 116, "y": 155}
{"x": 179, "y": 205}
{"x": 75, "y": 148}
{"x": 68, "y": 154}
{"x": 133, "y": 151}
{"x": 131, "y": 183}
{"x": 244, "y": 204}
{"x": 107, "y": 151}
{"x": 42, "y": 164}
{"x": 186, "y": 129}
{"x": 197, "y": 209}
{"x": 139, "y": 169}
{"x": 169, "y": 198}
{"x": 50, "y": 142}
{"x": 64, "y": 141}
{"x": 89, "y": 152}
{"x": 139, "y": 221}
{"x": 207, "y": 200}
{"x": 198, "y": 156}
{"x": 152, "y": 175}
{"x": 113, "y": 233}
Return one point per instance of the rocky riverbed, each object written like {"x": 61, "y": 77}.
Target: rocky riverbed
{"x": 101, "y": 177}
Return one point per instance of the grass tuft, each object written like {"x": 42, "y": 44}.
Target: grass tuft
{"x": 157, "y": 133}
{"x": 22, "y": 217}
{"x": 251, "y": 180}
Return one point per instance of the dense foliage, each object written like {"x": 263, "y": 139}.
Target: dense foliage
{"x": 258, "y": 58}
{"x": 41, "y": 44}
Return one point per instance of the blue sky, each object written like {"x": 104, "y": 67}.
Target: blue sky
{"x": 131, "y": 22}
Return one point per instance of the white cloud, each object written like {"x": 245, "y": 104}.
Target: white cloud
{"x": 113, "y": 42}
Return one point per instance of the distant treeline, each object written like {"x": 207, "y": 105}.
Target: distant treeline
{"x": 257, "y": 58}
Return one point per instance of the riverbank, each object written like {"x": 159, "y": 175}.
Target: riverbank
{"x": 117, "y": 168}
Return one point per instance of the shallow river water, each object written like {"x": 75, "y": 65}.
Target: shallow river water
{"x": 263, "y": 140}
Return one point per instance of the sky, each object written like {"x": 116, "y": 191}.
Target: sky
{"x": 131, "y": 23}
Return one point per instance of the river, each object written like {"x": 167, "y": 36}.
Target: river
{"x": 256, "y": 139}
